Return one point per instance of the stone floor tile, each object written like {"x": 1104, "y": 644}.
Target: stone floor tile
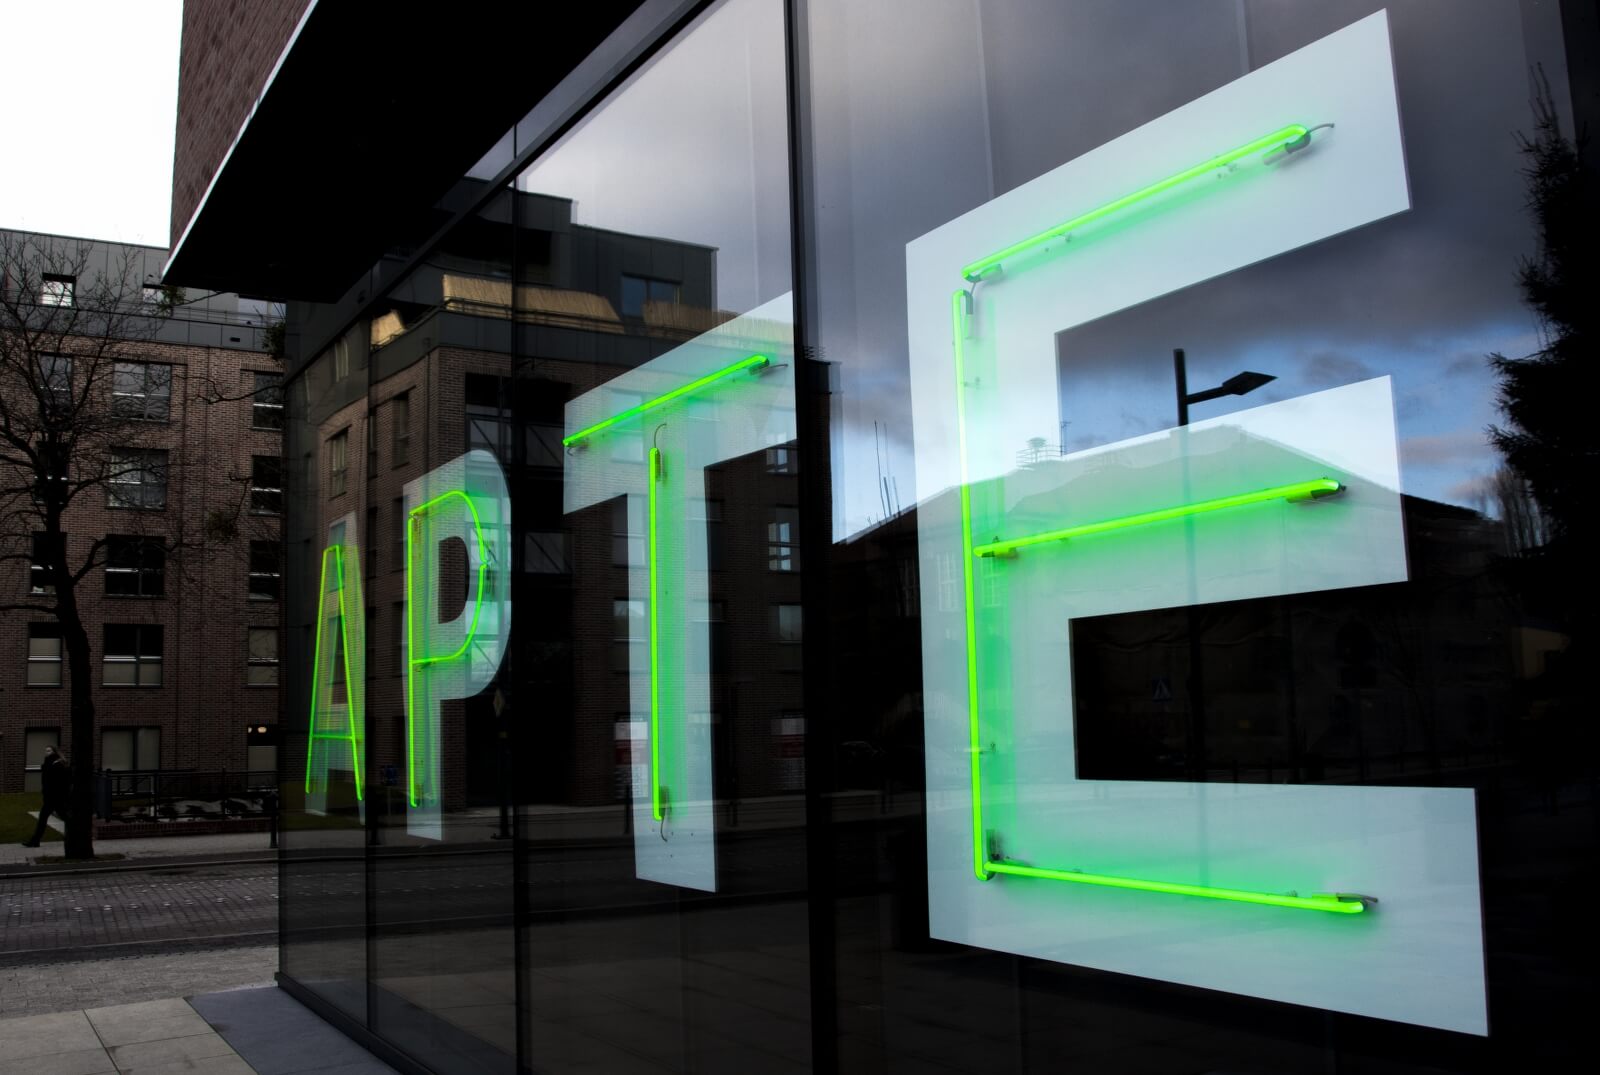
{"x": 39, "y": 1035}
{"x": 73, "y": 1062}
{"x": 151, "y": 1020}
{"x": 170, "y": 1050}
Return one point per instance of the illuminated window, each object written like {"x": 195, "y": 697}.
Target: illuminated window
{"x": 783, "y": 540}
{"x": 261, "y": 657}
{"x": 141, "y": 391}
{"x": 338, "y": 462}
{"x": 58, "y": 289}
{"x": 135, "y": 566}
{"x": 42, "y": 578}
{"x": 400, "y": 428}
{"x": 137, "y": 478}
{"x": 266, "y": 485}
{"x": 266, "y": 403}
{"x": 44, "y": 655}
{"x": 266, "y": 571}
{"x": 787, "y": 618}
{"x": 132, "y": 656}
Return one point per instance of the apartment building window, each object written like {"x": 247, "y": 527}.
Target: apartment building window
{"x": 34, "y": 742}
{"x": 261, "y": 657}
{"x": 58, "y": 289}
{"x": 137, "y": 478}
{"x": 397, "y": 533}
{"x": 54, "y": 467}
{"x": 338, "y": 462}
{"x": 626, "y": 547}
{"x": 787, "y": 630}
{"x": 135, "y": 566}
{"x": 44, "y": 655}
{"x": 266, "y": 485}
{"x": 627, "y": 631}
{"x": 782, "y": 460}
{"x": 141, "y": 391}
{"x": 55, "y": 384}
{"x": 266, "y": 571}
{"x": 489, "y": 424}
{"x": 341, "y": 359}
{"x": 132, "y": 656}
{"x": 638, "y": 290}
{"x": 41, "y": 574}
{"x": 783, "y": 540}
{"x": 266, "y": 403}
{"x": 400, "y": 428}
{"x": 130, "y": 749}
{"x": 397, "y": 639}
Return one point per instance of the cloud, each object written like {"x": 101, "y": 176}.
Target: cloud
{"x": 1333, "y": 368}
{"x": 1443, "y": 449}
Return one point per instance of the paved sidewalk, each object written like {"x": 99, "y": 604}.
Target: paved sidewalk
{"x": 143, "y": 848}
{"x": 43, "y": 988}
{"x": 241, "y": 1032}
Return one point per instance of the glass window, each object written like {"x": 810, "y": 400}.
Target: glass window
{"x": 640, "y": 291}
{"x": 400, "y": 426}
{"x": 130, "y": 749}
{"x": 338, "y": 462}
{"x": 266, "y": 485}
{"x": 787, "y": 623}
{"x": 137, "y": 478}
{"x": 261, "y": 657}
{"x": 783, "y": 540}
{"x": 135, "y": 566}
{"x": 44, "y": 655}
{"x": 141, "y": 391}
{"x": 545, "y": 553}
{"x": 132, "y": 655}
{"x": 58, "y": 289}
{"x": 265, "y": 577}
{"x": 266, "y": 402}
{"x": 55, "y": 384}
{"x": 40, "y": 573}
{"x": 34, "y": 742}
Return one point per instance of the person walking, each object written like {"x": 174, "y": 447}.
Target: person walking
{"x": 55, "y": 778}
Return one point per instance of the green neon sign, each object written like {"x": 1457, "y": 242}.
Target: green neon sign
{"x": 751, "y": 363}
{"x": 654, "y": 479}
{"x": 422, "y": 666}
{"x": 1291, "y": 139}
{"x": 1315, "y": 489}
{"x": 986, "y": 865}
{"x": 323, "y": 712}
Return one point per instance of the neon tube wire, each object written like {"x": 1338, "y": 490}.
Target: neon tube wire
{"x": 983, "y": 866}
{"x": 752, "y": 362}
{"x": 413, "y": 662}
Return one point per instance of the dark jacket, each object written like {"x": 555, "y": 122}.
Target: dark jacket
{"x": 55, "y": 780}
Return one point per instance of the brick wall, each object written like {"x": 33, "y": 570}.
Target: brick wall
{"x": 203, "y": 705}
{"x": 229, "y": 47}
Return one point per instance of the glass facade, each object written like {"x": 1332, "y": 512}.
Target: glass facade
{"x": 964, "y": 535}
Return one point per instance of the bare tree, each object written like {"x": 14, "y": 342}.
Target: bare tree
{"x": 75, "y": 433}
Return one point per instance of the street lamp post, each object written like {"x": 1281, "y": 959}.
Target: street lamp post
{"x": 1237, "y": 385}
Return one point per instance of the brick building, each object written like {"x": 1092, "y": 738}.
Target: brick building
{"x": 181, "y": 600}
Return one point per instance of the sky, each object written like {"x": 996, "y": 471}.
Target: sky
{"x": 91, "y": 91}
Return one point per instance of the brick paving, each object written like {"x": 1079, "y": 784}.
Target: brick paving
{"x": 63, "y": 916}
{"x": 59, "y": 987}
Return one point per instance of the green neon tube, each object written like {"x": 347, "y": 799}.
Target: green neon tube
{"x": 753, "y": 362}
{"x": 1316, "y": 902}
{"x": 1265, "y": 144}
{"x": 958, "y": 327}
{"x": 1307, "y": 490}
{"x": 413, "y": 662}
{"x": 655, "y": 478}
{"x": 336, "y": 553}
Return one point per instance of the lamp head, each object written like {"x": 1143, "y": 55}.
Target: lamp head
{"x": 1248, "y": 381}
